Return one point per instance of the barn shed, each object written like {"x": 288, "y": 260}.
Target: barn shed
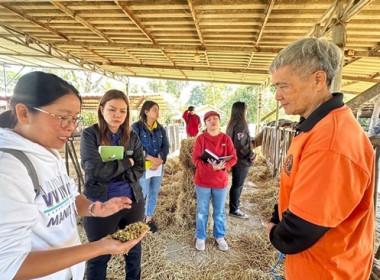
{"x": 219, "y": 41}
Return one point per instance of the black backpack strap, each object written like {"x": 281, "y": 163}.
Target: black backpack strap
{"x": 28, "y": 164}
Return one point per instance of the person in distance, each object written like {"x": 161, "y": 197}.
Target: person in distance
{"x": 192, "y": 120}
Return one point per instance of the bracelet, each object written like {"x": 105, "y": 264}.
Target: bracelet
{"x": 89, "y": 209}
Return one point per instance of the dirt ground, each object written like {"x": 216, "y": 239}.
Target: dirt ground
{"x": 170, "y": 253}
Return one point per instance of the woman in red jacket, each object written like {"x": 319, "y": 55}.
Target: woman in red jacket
{"x": 211, "y": 180}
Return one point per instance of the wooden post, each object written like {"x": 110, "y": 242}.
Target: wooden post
{"x": 277, "y": 142}
{"x": 338, "y": 38}
{"x": 259, "y": 106}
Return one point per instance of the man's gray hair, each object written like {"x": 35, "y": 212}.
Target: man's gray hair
{"x": 308, "y": 55}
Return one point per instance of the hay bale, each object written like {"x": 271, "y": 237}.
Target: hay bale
{"x": 186, "y": 208}
{"x": 176, "y": 203}
{"x": 259, "y": 171}
{"x": 186, "y": 152}
{"x": 187, "y": 180}
{"x": 171, "y": 166}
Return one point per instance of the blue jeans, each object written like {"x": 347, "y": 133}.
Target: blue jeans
{"x": 218, "y": 199}
{"x": 150, "y": 188}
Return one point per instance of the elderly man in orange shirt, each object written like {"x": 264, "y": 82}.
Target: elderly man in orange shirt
{"x": 324, "y": 220}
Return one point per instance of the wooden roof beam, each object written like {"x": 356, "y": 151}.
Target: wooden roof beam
{"x": 325, "y": 16}
{"x": 34, "y": 20}
{"x": 372, "y": 51}
{"x": 192, "y": 68}
{"x": 81, "y": 20}
{"x": 170, "y": 47}
{"x": 360, "y": 79}
{"x": 124, "y": 7}
{"x": 349, "y": 13}
{"x": 367, "y": 95}
{"x": 267, "y": 12}
{"x": 355, "y": 9}
{"x": 142, "y": 98}
{"x": 203, "y": 80}
{"x": 52, "y": 51}
{"x": 196, "y": 21}
{"x": 198, "y": 28}
{"x": 92, "y": 28}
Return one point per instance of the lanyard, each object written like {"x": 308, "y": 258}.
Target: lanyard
{"x": 272, "y": 272}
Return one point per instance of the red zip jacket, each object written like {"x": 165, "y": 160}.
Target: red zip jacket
{"x": 205, "y": 175}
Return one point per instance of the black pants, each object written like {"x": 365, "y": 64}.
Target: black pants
{"x": 97, "y": 228}
{"x": 238, "y": 177}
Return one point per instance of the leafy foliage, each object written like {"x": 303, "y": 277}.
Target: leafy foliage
{"x": 175, "y": 87}
{"x": 157, "y": 85}
{"x": 245, "y": 94}
{"x": 89, "y": 118}
{"x": 197, "y": 97}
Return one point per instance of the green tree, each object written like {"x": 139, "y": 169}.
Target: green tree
{"x": 138, "y": 89}
{"x": 175, "y": 87}
{"x": 245, "y": 94}
{"x": 215, "y": 92}
{"x": 197, "y": 96}
{"x": 156, "y": 85}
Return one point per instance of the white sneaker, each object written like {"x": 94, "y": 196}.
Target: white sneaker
{"x": 222, "y": 244}
{"x": 200, "y": 245}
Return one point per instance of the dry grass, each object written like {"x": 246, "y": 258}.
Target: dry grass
{"x": 170, "y": 253}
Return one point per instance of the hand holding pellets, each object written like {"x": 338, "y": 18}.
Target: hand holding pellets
{"x": 130, "y": 232}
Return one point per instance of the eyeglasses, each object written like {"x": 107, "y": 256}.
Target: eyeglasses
{"x": 65, "y": 120}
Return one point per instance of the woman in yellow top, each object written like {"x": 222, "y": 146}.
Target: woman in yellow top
{"x": 156, "y": 147}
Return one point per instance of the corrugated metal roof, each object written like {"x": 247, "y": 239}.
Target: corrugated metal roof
{"x": 235, "y": 40}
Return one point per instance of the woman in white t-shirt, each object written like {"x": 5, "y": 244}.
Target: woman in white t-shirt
{"x": 38, "y": 232}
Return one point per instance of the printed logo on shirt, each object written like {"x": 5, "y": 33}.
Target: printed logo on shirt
{"x": 240, "y": 135}
{"x": 58, "y": 198}
{"x": 288, "y": 164}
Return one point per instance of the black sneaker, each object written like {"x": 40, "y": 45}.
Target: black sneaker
{"x": 152, "y": 227}
{"x": 239, "y": 214}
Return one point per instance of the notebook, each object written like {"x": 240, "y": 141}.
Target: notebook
{"x": 207, "y": 154}
{"x": 109, "y": 153}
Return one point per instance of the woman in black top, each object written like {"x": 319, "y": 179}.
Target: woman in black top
{"x": 120, "y": 177}
{"x": 237, "y": 129}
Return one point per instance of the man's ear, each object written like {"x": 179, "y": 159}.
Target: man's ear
{"x": 22, "y": 113}
{"x": 320, "y": 79}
